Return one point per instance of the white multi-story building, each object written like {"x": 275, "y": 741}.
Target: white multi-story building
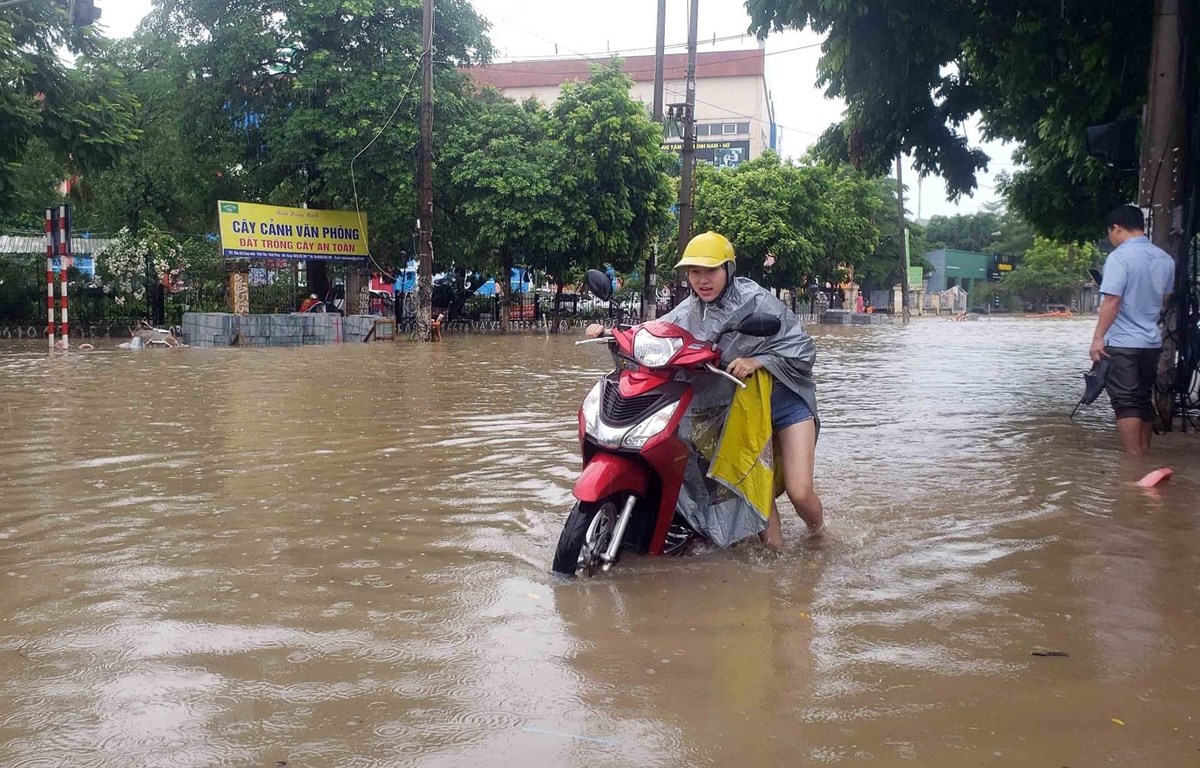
{"x": 735, "y": 119}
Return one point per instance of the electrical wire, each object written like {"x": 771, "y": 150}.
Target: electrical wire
{"x": 754, "y": 55}
{"x": 591, "y": 57}
{"x": 619, "y": 51}
{"x": 353, "y": 178}
{"x": 633, "y": 72}
{"x": 731, "y": 113}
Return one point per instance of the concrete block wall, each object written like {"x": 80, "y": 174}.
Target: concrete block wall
{"x": 285, "y": 330}
{"x": 355, "y": 328}
{"x": 320, "y": 328}
{"x": 846, "y": 317}
{"x": 209, "y": 329}
{"x": 218, "y": 329}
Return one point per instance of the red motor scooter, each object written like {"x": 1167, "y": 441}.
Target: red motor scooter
{"x": 633, "y": 456}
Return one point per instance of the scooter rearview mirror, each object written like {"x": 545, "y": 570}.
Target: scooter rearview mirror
{"x": 759, "y": 324}
{"x": 599, "y": 284}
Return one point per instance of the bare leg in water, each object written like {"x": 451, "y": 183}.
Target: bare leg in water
{"x": 797, "y": 449}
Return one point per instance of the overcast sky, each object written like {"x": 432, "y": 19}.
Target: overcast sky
{"x": 531, "y": 28}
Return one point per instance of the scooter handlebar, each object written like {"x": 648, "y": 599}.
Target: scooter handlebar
{"x": 713, "y": 369}
{"x": 608, "y": 338}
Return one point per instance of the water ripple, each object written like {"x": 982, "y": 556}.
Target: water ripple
{"x": 337, "y": 556}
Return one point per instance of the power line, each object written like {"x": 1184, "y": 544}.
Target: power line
{"x": 592, "y": 57}
{"x": 633, "y": 72}
{"x": 556, "y": 56}
{"x": 353, "y": 178}
{"x": 731, "y": 113}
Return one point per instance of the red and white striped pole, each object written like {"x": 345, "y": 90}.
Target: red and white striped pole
{"x": 64, "y": 251}
{"x": 50, "y": 276}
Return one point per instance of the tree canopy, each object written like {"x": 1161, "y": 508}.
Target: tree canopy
{"x": 1049, "y": 271}
{"x": 83, "y": 115}
{"x": 788, "y": 222}
{"x": 615, "y": 172}
{"x": 993, "y": 230}
{"x": 881, "y": 268}
{"x": 913, "y": 71}
{"x": 504, "y": 169}
{"x": 284, "y": 96}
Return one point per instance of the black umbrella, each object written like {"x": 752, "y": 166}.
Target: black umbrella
{"x": 1093, "y": 383}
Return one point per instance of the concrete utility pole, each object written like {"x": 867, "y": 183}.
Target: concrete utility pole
{"x": 660, "y": 48}
{"x": 425, "y": 182}
{"x": 686, "y": 192}
{"x": 901, "y": 238}
{"x": 650, "y": 291}
{"x": 1163, "y": 171}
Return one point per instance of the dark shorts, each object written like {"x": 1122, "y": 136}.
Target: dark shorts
{"x": 787, "y": 408}
{"x": 1131, "y": 377}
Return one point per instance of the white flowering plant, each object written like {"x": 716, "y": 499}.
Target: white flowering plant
{"x": 125, "y": 267}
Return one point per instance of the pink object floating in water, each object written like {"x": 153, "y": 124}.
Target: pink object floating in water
{"x": 1155, "y": 477}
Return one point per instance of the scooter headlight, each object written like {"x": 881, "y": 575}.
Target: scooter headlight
{"x": 654, "y": 351}
{"x": 591, "y": 409}
{"x": 651, "y": 426}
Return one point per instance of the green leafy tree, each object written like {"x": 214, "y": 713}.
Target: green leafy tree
{"x": 992, "y": 230}
{"x": 788, "y": 221}
{"x": 82, "y": 114}
{"x": 964, "y": 232}
{"x": 881, "y": 268}
{"x": 913, "y": 71}
{"x": 614, "y": 177}
{"x": 1050, "y": 272}
{"x": 33, "y": 186}
{"x": 289, "y": 94}
{"x": 1016, "y": 235}
{"x": 168, "y": 178}
{"x": 505, "y": 171}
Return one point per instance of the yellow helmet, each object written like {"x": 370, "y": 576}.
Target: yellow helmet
{"x": 707, "y": 250}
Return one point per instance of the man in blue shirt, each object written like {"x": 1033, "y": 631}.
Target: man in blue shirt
{"x": 1138, "y": 278}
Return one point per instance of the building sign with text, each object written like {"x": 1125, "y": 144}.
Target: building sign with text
{"x": 722, "y": 154}
{"x": 253, "y": 231}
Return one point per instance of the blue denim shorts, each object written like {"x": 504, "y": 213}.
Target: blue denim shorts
{"x": 787, "y": 408}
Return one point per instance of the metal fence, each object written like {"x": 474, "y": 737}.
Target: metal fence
{"x": 93, "y": 311}
{"x": 274, "y": 288}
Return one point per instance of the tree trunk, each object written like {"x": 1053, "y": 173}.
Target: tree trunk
{"x": 504, "y": 285}
{"x": 558, "y": 290}
{"x": 356, "y": 279}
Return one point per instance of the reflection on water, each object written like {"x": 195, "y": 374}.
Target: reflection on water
{"x": 338, "y": 557}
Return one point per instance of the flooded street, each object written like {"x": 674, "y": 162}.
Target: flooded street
{"x": 338, "y": 556}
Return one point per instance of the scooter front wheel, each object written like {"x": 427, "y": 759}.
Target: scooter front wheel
{"x": 573, "y": 552}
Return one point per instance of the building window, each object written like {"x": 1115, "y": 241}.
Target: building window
{"x": 702, "y": 130}
{"x": 729, "y": 129}
{"x": 743, "y": 127}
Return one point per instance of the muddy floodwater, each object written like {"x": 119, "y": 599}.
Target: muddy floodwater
{"x": 338, "y": 556}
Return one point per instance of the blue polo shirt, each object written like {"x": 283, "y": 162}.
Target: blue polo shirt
{"x": 1142, "y": 274}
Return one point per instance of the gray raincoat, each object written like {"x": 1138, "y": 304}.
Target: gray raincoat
{"x": 711, "y": 508}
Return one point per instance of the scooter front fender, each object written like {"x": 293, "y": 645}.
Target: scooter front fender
{"x": 609, "y": 473}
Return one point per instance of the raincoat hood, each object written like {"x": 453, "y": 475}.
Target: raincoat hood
{"x": 715, "y": 510}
